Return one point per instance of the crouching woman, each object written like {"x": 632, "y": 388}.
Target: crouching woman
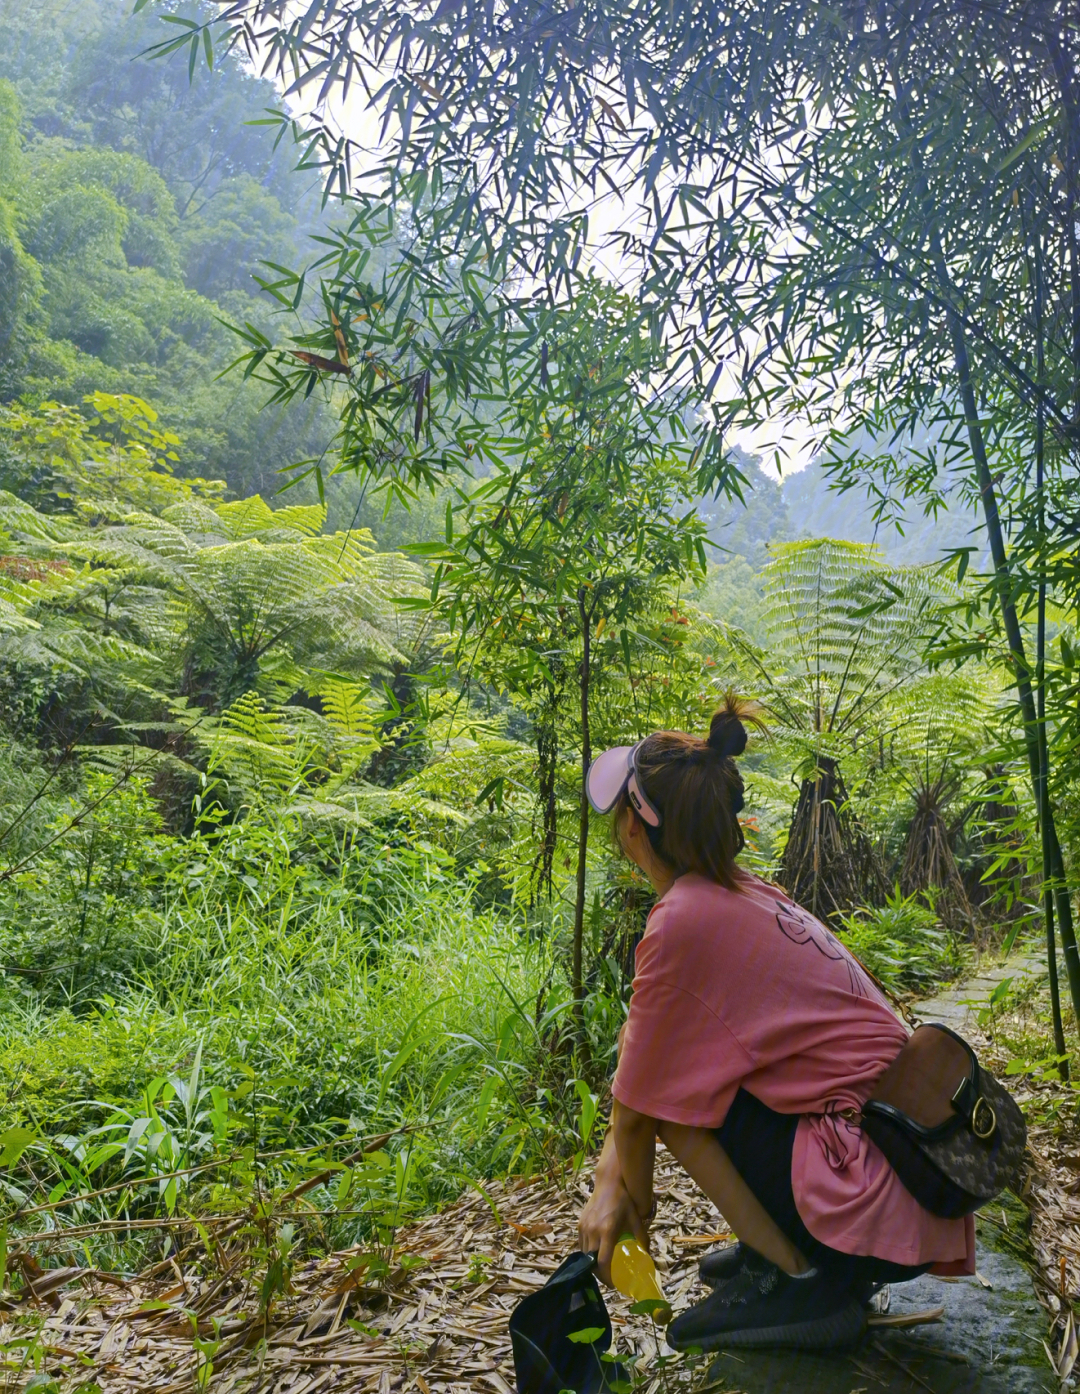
{"x": 753, "y": 1038}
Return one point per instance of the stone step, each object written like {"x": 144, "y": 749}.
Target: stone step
{"x": 956, "y": 1006}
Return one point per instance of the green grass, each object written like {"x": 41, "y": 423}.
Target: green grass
{"x": 283, "y": 993}
{"x": 248, "y": 1005}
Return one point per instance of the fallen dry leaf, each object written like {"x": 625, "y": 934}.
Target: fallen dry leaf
{"x": 897, "y": 1319}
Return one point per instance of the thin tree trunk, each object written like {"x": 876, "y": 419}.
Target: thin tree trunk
{"x": 547, "y": 757}
{"x": 817, "y": 843}
{"x": 577, "y": 979}
{"x": 1045, "y": 816}
{"x": 1022, "y": 672}
{"x": 1070, "y": 101}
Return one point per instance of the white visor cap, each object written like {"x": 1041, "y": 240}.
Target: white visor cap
{"x": 611, "y": 773}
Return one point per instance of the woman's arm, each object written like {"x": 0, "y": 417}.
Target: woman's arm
{"x": 635, "y": 1144}
{"x": 609, "y": 1212}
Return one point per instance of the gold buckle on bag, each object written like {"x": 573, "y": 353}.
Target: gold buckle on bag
{"x": 983, "y": 1133}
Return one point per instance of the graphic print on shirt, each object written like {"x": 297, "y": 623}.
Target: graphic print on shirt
{"x": 840, "y": 1134}
{"x": 801, "y": 928}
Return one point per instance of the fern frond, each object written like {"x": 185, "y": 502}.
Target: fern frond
{"x": 304, "y": 518}
{"x": 198, "y": 520}
{"x": 244, "y": 518}
{"x": 252, "y": 745}
{"x": 156, "y": 535}
{"x": 20, "y": 520}
{"x": 844, "y": 628}
{"x": 354, "y": 552}
{"x": 348, "y": 705}
{"x": 12, "y": 621}
{"x": 326, "y": 811}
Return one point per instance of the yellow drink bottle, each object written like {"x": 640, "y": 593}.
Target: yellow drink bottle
{"x": 633, "y": 1273}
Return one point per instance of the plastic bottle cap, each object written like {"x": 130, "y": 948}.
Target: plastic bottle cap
{"x": 624, "y": 1237}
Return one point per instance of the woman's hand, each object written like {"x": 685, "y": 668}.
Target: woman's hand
{"x": 609, "y": 1214}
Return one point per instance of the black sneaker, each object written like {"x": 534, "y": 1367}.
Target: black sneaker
{"x": 717, "y": 1268}
{"x": 769, "y": 1308}
{"x": 721, "y": 1264}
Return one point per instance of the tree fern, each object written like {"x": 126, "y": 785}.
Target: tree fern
{"x": 845, "y": 634}
{"x": 843, "y": 629}
{"x": 195, "y": 624}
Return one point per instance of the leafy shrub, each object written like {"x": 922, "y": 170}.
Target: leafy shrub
{"x": 62, "y": 1070}
{"x": 902, "y": 943}
{"x": 74, "y": 922}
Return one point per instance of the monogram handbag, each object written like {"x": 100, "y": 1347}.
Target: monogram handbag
{"x": 950, "y": 1131}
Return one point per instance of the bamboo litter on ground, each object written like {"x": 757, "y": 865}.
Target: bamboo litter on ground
{"x": 441, "y": 1326}
{"x": 436, "y": 1327}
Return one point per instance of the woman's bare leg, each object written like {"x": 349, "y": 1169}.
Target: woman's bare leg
{"x": 700, "y": 1154}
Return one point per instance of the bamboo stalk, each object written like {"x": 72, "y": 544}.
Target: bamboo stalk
{"x": 1021, "y": 668}
{"x": 1043, "y": 789}
{"x": 577, "y": 977}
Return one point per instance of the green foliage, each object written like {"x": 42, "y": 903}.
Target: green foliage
{"x": 746, "y": 527}
{"x": 845, "y": 629}
{"x": 137, "y": 580}
{"x": 732, "y": 594}
{"x": 73, "y": 923}
{"x": 554, "y": 569}
{"x": 20, "y": 276}
{"x": 283, "y": 1005}
{"x": 149, "y": 977}
{"x": 10, "y": 145}
{"x": 842, "y": 665}
{"x": 907, "y": 536}
{"x": 902, "y": 943}
{"x": 114, "y": 454}
{"x": 58, "y": 1069}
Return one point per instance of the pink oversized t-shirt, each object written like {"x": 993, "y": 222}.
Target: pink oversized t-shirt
{"x": 746, "y": 988}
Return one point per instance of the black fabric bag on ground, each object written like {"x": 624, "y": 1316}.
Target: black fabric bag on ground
{"x": 546, "y": 1361}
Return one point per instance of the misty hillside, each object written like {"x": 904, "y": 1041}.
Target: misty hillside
{"x": 804, "y": 505}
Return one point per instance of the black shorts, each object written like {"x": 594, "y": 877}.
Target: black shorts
{"x": 760, "y": 1143}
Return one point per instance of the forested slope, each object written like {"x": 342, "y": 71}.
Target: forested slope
{"x": 136, "y": 210}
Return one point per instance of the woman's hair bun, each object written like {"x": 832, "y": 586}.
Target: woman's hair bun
{"x": 727, "y": 731}
{"x": 727, "y": 734}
